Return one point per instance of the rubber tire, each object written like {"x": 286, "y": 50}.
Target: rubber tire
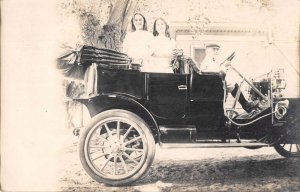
{"x": 284, "y": 152}
{"x": 149, "y": 142}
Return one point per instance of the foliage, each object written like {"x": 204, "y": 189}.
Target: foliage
{"x": 91, "y": 27}
{"x": 92, "y": 15}
{"x": 111, "y": 36}
{"x": 260, "y": 4}
{"x": 198, "y": 24}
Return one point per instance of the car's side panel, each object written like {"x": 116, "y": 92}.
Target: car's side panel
{"x": 207, "y": 87}
{"x": 163, "y": 94}
{"x": 129, "y": 82}
{"x": 206, "y": 101}
{"x": 168, "y": 96}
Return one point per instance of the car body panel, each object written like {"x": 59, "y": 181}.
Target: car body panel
{"x": 180, "y": 104}
{"x": 171, "y": 98}
{"x": 167, "y": 100}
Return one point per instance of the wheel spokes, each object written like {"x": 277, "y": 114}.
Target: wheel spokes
{"x": 107, "y": 130}
{"x": 133, "y": 149}
{"x": 291, "y": 148}
{"x": 99, "y": 146}
{"x": 123, "y": 164}
{"x": 127, "y": 132}
{"x": 98, "y": 136}
{"x": 116, "y": 148}
{"x": 288, "y": 145}
{"x": 106, "y": 162}
{"x": 118, "y": 129}
{"x": 103, "y": 154}
{"x": 115, "y": 166}
{"x": 132, "y": 140}
{"x": 130, "y": 158}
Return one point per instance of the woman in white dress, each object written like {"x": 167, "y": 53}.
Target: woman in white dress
{"x": 137, "y": 42}
{"x": 162, "y": 47}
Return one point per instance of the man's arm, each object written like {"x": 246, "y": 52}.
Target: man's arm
{"x": 209, "y": 66}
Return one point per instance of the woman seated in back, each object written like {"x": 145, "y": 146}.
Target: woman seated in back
{"x": 161, "y": 47}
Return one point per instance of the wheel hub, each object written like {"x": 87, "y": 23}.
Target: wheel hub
{"x": 116, "y": 146}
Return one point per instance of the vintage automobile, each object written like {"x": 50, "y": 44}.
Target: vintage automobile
{"x": 132, "y": 111}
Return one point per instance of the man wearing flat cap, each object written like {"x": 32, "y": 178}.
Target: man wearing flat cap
{"x": 210, "y": 65}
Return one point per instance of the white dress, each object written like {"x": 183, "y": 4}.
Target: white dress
{"x": 137, "y": 46}
{"x": 162, "y": 48}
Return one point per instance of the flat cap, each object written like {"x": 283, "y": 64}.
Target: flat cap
{"x": 212, "y": 46}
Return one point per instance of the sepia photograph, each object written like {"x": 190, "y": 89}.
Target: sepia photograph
{"x": 150, "y": 95}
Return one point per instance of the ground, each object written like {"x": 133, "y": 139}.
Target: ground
{"x": 180, "y": 170}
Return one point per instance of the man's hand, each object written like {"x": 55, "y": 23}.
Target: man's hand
{"x": 138, "y": 61}
{"x": 175, "y": 64}
{"x": 222, "y": 74}
{"x": 227, "y": 63}
{"x": 225, "y": 66}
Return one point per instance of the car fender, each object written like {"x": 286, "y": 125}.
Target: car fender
{"x": 106, "y": 102}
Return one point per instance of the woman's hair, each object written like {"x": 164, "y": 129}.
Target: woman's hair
{"x": 145, "y": 22}
{"x": 155, "y": 32}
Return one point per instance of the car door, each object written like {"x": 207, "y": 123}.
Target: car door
{"x": 167, "y": 95}
{"x": 206, "y": 100}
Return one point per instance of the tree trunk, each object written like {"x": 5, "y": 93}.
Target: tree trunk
{"x": 114, "y": 31}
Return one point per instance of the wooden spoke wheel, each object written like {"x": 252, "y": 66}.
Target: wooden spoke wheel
{"x": 117, "y": 147}
{"x": 288, "y": 149}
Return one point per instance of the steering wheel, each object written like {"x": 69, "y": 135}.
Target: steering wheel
{"x": 229, "y": 58}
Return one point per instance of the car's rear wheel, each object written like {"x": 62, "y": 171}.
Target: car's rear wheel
{"x": 117, "y": 147}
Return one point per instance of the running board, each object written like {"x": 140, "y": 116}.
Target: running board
{"x": 211, "y": 145}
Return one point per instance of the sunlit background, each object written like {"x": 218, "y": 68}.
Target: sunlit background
{"x": 33, "y": 116}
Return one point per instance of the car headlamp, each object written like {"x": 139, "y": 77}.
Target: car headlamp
{"x": 281, "y": 109}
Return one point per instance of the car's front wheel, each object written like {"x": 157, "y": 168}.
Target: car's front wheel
{"x": 287, "y": 149}
{"x": 289, "y": 143}
{"x": 117, "y": 147}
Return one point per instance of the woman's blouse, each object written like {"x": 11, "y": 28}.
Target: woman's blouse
{"x": 162, "y": 48}
{"x": 137, "y": 46}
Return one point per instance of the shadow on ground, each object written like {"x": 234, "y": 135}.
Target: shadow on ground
{"x": 252, "y": 173}
{"x": 208, "y": 171}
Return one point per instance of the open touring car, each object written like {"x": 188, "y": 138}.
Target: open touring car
{"x": 132, "y": 111}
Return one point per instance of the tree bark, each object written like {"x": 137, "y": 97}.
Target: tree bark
{"x": 111, "y": 37}
{"x": 114, "y": 31}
